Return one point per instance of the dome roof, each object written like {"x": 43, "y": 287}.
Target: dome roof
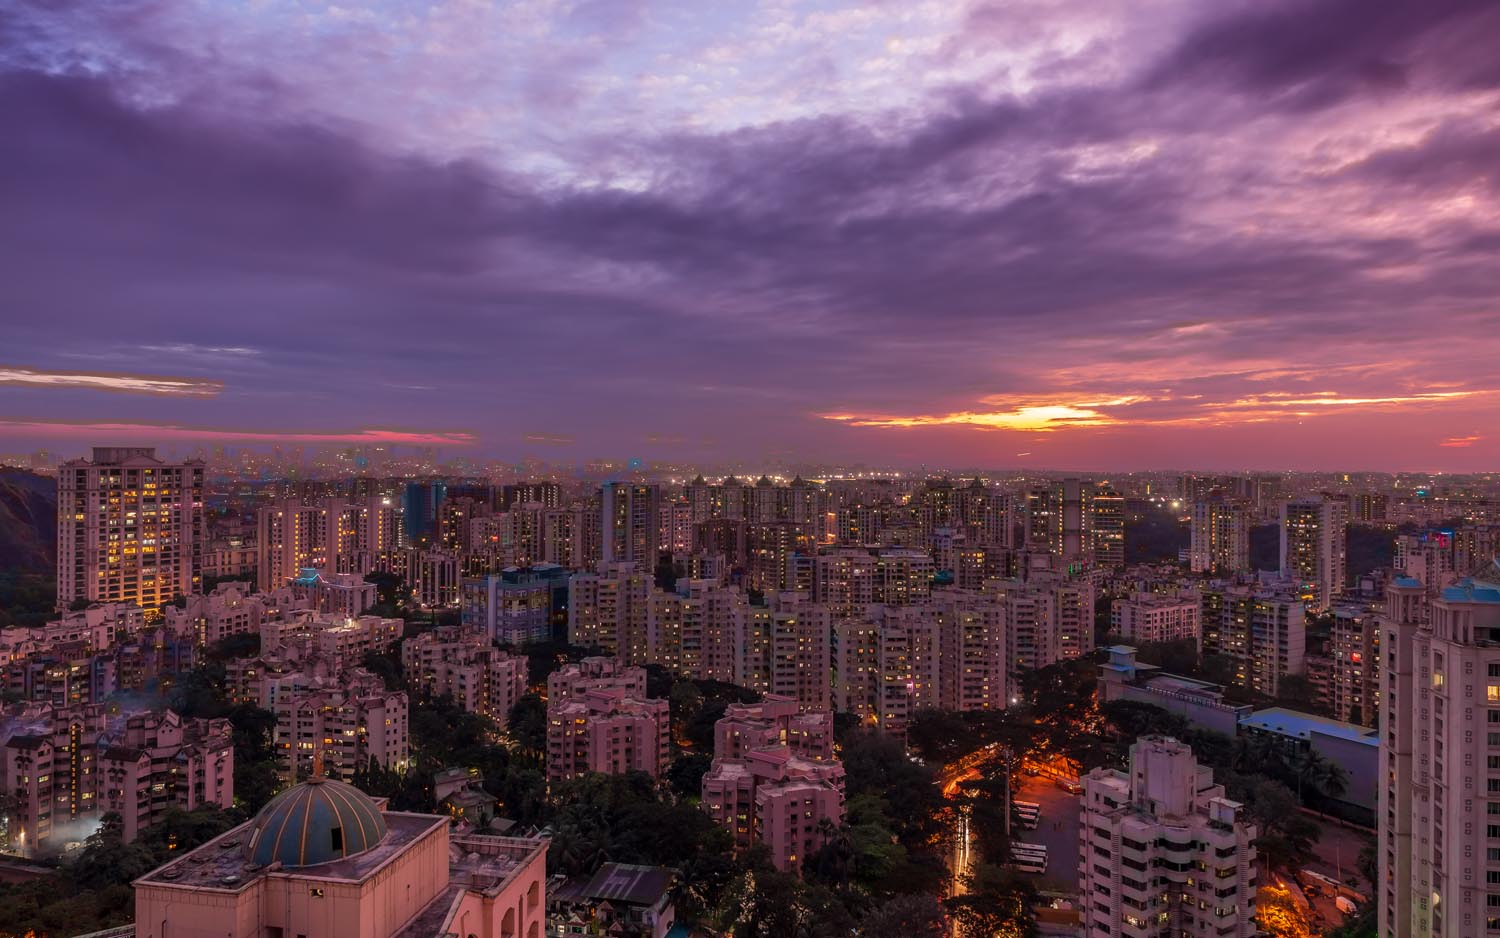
{"x": 318, "y": 821}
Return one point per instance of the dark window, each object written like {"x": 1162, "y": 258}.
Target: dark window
{"x": 337, "y": 833}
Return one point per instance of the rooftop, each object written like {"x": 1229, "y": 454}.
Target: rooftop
{"x": 1301, "y": 725}
{"x": 221, "y": 863}
{"x": 629, "y": 882}
{"x": 1472, "y": 590}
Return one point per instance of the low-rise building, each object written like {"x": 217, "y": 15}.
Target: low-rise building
{"x": 774, "y": 797}
{"x": 64, "y": 768}
{"x": 597, "y": 673}
{"x": 774, "y": 721}
{"x": 1355, "y": 749}
{"x": 342, "y": 724}
{"x": 1199, "y": 702}
{"x": 158, "y": 761}
{"x": 1148, "y": 617}
{"x": 623, "y": 900}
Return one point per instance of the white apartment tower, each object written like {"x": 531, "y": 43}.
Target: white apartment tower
{"x": 1163, "y": 852}
{"x": 130, "y": 528}
{"x": 1314, "y": 548}
{"x": 1439, "y": 809}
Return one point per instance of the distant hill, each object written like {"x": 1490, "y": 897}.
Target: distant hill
{"x": 28, "y": 546}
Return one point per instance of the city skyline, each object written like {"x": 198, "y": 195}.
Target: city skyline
{"x": 1165, "y": 234}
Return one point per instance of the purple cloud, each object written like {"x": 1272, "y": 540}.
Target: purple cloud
{"x": 1249, "y": 211}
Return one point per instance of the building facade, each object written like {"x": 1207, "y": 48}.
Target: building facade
{"x": 1439, "y": 805}
{"x": 1314, "y": 548}
{"x": 130, "y": 528}
{"x": 1162, "y": 851}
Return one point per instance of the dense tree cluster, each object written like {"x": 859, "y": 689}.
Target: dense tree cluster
{"x": 91, "y": 890}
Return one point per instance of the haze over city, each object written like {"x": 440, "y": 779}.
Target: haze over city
{"x": 1049, "y": 234}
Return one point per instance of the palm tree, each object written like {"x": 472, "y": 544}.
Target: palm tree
{"x": 1308, "y": 767}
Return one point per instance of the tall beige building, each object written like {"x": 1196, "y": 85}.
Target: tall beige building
{"x": 130, "y": 528}
{"x": 1163, "y": 852}
{"x": 1263, "y": 635}
{"x": 1354, "y": 681}
{"x": 333, "y": 535}
{"x": 1314, "y": 548}
{"x": 1219, "y": 538}
{"x": 630, "y": 515}
{"x": 1439, "y": 807}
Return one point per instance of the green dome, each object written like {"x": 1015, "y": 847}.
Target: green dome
{"x": 319, "y": 821}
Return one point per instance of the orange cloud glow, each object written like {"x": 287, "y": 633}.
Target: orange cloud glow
{"x": 1167, "y": 409}
{"x": 1460, "y": 442}
{"x": 110, "y": 381}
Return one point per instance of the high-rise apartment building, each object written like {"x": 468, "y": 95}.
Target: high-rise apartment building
{"x": 1048, "y": 618}
{"x": 1219, "y": 538}
{"x": 609, "y": 610}
{"x": 515, "y": 606}
{"x": 1163, "y": 852}
{"x": 850, "y": 577}
{"x": 465, "y": 667}
{"x": 1426, "y": 557}
{"x": 1148, "y": 617}
{"x": 130, "y": 528}
{"x": 1314, "y": 548}
{"x": 421, "y": 503}
{"x": 331, "y": 535}
{"x": 768, "y": 549}
{"x": 630, "y": 518}
{"x": 547, "y": 494}
{"x": 1107, "y": 526}
{"x": 1059, "y": 519}
{"x": 1439, "y": 804}
{"x": 1354, "y": 678}
{"x": 1263, "y": 636}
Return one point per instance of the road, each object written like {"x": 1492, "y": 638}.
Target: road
{"x": 1337, "y": 855}
{"x": 1058, "y": 831}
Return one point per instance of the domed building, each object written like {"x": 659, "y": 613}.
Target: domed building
{"x": 317, "y": 822}
{"x": 325, "y": 860}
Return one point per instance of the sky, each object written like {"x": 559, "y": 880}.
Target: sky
{"x": 1034, "y": 233}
